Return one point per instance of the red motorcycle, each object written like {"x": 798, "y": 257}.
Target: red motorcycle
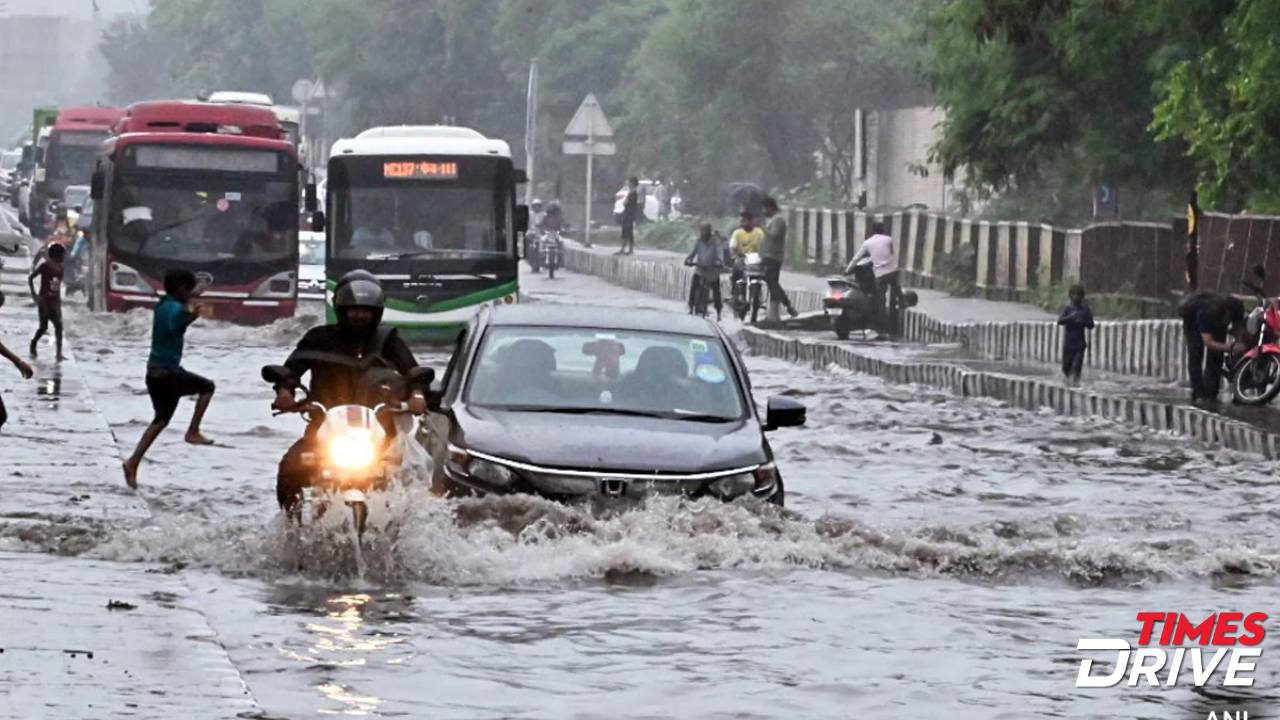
{"x": 1255, "y": 375}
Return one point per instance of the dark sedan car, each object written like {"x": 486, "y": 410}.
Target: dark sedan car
{"x": 574, "y": 403}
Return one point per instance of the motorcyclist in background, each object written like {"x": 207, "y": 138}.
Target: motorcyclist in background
{"x": 744, "y": 241}
{"x": 538, "y": 213}
{"x": 553, "y": 218}
{"x": 338, "y": 356}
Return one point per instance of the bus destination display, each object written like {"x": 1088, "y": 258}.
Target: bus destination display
{"x": 188, "y": 157}
{"x": 420, "y": 170}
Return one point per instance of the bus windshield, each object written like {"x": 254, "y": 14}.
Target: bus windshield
{"x": 460, "y": 217}
{"x": 73, "y": 155}
{"x": 204, "y": 218}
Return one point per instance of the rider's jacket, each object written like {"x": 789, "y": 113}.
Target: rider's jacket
{"x": 338, "y": 362}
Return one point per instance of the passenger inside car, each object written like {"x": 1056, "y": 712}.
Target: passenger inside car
{"x": 658, "y": 382}
{"x": 523, "y": 375}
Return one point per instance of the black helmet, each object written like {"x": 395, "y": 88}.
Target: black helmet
{"x": 358, "y": 292}
{"x": 358, "y": 275}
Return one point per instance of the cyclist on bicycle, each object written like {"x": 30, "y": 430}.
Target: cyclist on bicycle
{"x": 707, "y": 259}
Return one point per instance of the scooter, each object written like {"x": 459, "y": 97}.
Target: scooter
{"x": 852, "y": 297}
{"x": 552, "y": 251}
{"x": 1255, "y": 375}
{"x": 355, "y": 458}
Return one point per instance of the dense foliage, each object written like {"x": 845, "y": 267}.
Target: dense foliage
{"x": 1045, "y": 99}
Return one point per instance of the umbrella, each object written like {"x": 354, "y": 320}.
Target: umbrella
{"x": 746, "y": 196}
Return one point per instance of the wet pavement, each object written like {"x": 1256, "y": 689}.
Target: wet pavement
{"x": 938, "y": 556}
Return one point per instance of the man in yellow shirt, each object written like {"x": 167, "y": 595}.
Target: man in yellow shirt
{"x": 746, "y": 239}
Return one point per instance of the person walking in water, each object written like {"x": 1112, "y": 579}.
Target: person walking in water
{"x": 19, "y": 363}
{"x": 167, "y": 381}
{"x": 49, "y": 299}
{"x": 1075, "y": 319}
{"x": 773, "y": 253}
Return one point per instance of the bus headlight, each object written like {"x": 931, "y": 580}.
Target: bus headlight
{"x": 126, "y": 279}
{"x": 280, "y": 285}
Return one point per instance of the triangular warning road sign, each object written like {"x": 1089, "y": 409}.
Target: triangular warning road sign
{"x": 589, "y": 121}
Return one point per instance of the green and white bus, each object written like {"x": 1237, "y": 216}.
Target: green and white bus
{"x": 431, "y": 211}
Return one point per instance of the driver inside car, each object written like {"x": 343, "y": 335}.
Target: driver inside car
{"x": 338, "y": 358}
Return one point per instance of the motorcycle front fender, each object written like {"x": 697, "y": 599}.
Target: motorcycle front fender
{"x": 354, "y": 496}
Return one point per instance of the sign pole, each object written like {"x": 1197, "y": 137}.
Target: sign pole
{"x": 587, "y": 230}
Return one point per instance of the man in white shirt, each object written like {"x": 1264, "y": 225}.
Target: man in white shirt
{"x": 880, "y": 250}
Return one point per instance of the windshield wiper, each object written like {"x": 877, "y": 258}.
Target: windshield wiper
{"x": 172, "y": 226}
{"x": 691, "y": 417}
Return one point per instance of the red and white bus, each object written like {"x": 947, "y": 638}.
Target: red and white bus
{"x": 69, "y": 156}
{"x": 208, "y": 187}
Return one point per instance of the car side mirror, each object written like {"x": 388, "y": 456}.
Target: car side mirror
{"x": 520, "y": 175}
{"x": 522, "y": 218}
{"x": 435, "y": 394}
{"x": 317, "y": 221}
{"x": 277, "y": 374}
{"x": 783, "y": 412}
{"x": 310, "y": 198}
{"x": 95, "y": 185}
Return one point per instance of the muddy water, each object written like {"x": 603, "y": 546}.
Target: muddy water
{"x": 938, "y": 555}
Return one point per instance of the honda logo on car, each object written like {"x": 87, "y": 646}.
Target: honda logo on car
{"x": 1218, "y": 631}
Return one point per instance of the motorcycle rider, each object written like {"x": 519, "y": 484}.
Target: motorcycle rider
{"x": 553, "y": 218}
{"x": 880, "y": 250}
{"x": 707, "y": 257}
{"x": 745, "y": 240}
{"x": 1207, "y": 318}
{"x": 337, "y": 356}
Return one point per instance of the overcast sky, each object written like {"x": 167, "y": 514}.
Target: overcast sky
{"x": 70, "y": 8}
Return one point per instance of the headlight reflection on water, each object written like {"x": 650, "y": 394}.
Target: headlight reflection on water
{"x": 342, "y": 634}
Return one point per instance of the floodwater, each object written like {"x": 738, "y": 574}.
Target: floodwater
{"x": 939, "y": 556}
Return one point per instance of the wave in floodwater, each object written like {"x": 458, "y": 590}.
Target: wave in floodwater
{"x": 135, "y": 325}
{"x": 520, "y": 541}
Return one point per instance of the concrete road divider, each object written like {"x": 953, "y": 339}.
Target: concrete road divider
{"x": 1022, "y": 392}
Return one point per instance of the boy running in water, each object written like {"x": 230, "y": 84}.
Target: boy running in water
{"x": 167, "y": 381}
{"x": 49, "y": 299}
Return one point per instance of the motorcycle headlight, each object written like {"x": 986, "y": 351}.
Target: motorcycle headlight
{"x": 461, "y": 463}
{"x": 759, "y": 481}
{"x": 352, "y": 451}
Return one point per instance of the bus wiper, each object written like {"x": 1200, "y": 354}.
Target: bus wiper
{"x": 172, "y": 226}
{"x": 403, "y": 256}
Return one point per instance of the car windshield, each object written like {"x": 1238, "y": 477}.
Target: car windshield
{"x": 574, "y": 370}
{"x": 311, "y": 252}
{"x": 204, "y": 218}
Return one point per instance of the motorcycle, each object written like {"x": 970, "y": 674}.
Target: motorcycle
{"x": 853, "y": 298}
{"x": 748, "y": 287}
{"x": 356, "y": 457}
{"x": 1255, "y": 374}
{"x": 552, "y": 250}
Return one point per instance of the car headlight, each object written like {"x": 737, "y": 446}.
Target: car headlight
{"x": 759, "y": 481}
{"x": 352, "y": 451}
{"x": 462, "y": 463}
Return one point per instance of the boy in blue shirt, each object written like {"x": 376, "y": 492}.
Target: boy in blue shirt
{"x": 167, "y": 381}
{"x": 1075, "y": 319}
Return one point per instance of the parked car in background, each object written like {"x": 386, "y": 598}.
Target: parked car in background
{"x": 570, "y": 403}
{"x": 310, "y": 265}
{"x": 650, "y": 209}
{"x": 9, "y": 172}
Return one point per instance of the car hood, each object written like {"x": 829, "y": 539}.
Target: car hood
{"x": 611, "y": 442}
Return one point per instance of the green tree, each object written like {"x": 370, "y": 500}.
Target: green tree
{"x": 1223, "y": 103}
{"x": 137, "y": 60}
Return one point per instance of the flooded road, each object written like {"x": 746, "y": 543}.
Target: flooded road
{"x": 938, "y": 556}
